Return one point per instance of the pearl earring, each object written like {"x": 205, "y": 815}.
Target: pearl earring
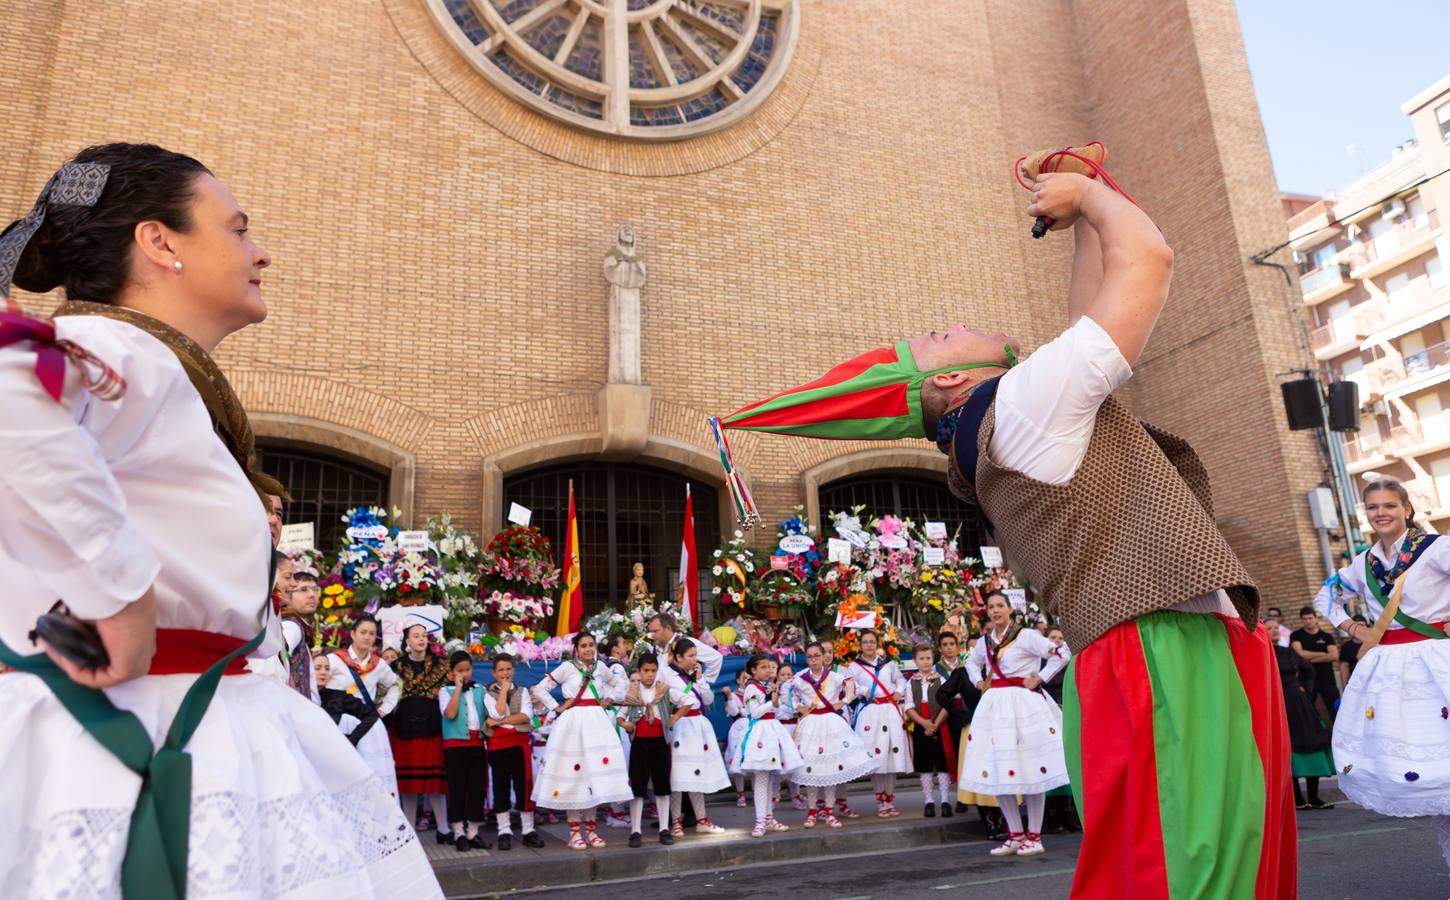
{"x": 176, "y": 265}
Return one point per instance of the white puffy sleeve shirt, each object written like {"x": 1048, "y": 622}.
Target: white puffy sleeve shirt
{"x": 1029, "y": 654}
{"x": 99, "y": 500}
{"x": 1427, "y": 587}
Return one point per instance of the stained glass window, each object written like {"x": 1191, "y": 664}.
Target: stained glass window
{"x": 645, "y": 69}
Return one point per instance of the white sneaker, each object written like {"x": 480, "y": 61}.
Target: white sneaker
{"x": 1010, "y": 848}
{"x": 1031, "y": 848}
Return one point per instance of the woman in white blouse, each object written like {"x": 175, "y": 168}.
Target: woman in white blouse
{"x": 1014, "y": 745}
{"x": 361, "y": 672}
{"x": 136, "y": 501}
{"x": 1392, "y": 735}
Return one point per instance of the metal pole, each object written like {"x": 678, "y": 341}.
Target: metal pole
{"x": 1329, "y": 567}
{"x": 1342, "y": 482}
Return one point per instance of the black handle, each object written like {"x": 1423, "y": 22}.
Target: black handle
{"x": 1039, "y": 228}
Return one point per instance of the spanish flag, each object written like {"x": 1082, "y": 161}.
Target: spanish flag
{"x": 571, "y": 603}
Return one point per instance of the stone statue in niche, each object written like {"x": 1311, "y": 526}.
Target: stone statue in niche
{"x": 639, "y": 594}
{"x": 624, "y": 270}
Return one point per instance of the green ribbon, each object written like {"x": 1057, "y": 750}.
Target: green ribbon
{"x": 159, "y": 837}
{"x": 1405, "y": 621}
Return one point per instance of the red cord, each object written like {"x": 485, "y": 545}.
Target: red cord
{"x": 1054, "y": 160}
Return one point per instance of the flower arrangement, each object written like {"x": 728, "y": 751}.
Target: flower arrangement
{"x": 365, "y": 533}
{"x": 409, "y": 578}
{"x": 848, "y": 640}
{"x": 892, "y": 559}
{"x": 517, "y": 572}
{"x": 733, "y": 567}
{"x": 336, "y": 611}
{"x": 940, "y": 591}
{"x": 780, "y": 594}
{"x": 308, "y": 562}
{"x": 797, "y": 542}
{"x": 459, "y": 557}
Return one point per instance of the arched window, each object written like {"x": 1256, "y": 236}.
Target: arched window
{"x": 911, "y": 496}
{"x": 323, "y": 486}
{"x": 627, "y": 514}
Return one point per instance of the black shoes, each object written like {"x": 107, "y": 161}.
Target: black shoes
{"x": 532, "y": 839}
{"x": 479, "y": 843}
{"x": 635, "y": 839}
{"x": 666, "y": 838}
{"x": 445, "y": 837}
{"x": 930, "y": 812}
{"x": 946, "y": 811}
{"x": 461, "y": 843}
{"x": 505, "y": 841}
{"x": 962, "y": 807}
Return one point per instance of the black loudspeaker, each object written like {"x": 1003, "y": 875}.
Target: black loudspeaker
{"x": 1302, "y": 403}
{"x": 1343, "y": 406}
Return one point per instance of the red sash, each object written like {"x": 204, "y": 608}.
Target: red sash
{"x": 505, "y": 737}
{"x": 825, "y": 706}
{"x": 1006, "y": 682}
{"x": 1398, "y": 636}
{"x": 181, "y": 651}
{"x": 949, "y": 746}
{"x": 647, "y": 729}
{"x": 692, "y": 713}
{"x": 881, "y": 700}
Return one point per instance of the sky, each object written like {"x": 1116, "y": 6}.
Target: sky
{"x": 1330, "y": 76}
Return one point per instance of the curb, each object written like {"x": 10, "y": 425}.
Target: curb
{"x": 615, "y": 862}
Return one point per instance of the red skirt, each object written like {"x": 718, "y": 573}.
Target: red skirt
{"x": 419, "y": 764}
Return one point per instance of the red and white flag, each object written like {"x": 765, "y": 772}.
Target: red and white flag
{"x": 689, "y": 571}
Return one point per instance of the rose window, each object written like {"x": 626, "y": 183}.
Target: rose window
{"x": 640, "y": 69}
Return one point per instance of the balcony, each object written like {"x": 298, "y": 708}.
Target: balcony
{"x": 1325, "y": 282}
{"x": 1344, "y": 334}
{"x": 1391, "y": 377}
{"x": 1403, "y": 243}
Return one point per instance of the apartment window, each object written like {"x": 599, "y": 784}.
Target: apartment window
{"x": 1435, "y": 269}
{"x": 1398, "y": 289}
{"x": 1442, "y": 115}
{"x": 1324, "y": 256}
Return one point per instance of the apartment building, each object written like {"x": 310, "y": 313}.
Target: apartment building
{"x": 1372, "y": 272}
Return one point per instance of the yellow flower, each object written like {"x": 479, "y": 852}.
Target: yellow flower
{"x": 935, "y": 603}
{"x": 925, "y": 577}
{"x": 330, "y": 620}
{"x": 327, "y": 603}
{"x": 948, "y": 573}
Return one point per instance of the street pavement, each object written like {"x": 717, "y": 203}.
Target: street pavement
{"x": 1346, "y": 852}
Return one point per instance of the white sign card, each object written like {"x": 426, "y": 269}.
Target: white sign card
{"x": 1017, "y": 597}
{"x": 367, "y": 533}
{"x": 394, "y": 619}
{"x": 413, "y": 540}
{"x": 855, "y": 538}
{"x": 520, "y": 515}
{"x": 838, "y": 551}
{"x": 936, "y": 531}
{"x": 933, "y": 556}
{"x": 992, "y": 557}
{"x": 867, "y": 619}
{"x": 797, "y": 543}
{"x": 893, "y": 542}
{"x": 298, "y": 537}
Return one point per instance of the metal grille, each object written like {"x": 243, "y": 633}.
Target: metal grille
{"x": 627, "y": 514}
{"x": 322, "y": 488}
{"x": 910, "y": 497}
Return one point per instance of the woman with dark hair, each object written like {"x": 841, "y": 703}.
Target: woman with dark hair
{"x": 130, "y": 490}
{"x": 359, "y": 670}
{"x": 416, "y": 727}
{"x": 1014, "y": 744}
{"x": 881, "y": 725}
{"x": 1391, "y": 737}
{"x": 586, "y": 760}
{"x": 1308, "y": 735}
{"x": 832, "y": 753}
{"x": 697, "y": 761}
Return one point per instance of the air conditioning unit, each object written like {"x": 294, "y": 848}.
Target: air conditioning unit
{"x": 1393, "y": 210}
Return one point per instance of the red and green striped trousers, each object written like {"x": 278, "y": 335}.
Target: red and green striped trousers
{"x": 1178, "y": 749}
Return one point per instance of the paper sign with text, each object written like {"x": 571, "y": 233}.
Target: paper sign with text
{"x": 936, "y": 531}
{"x": 1017, "y": 597}
{"x": 838, "y": 551}
{"x": 520, "y": 515}
{"x": 992, "y": 557}
{"x": 413, "y": 540}
{"x": 867, "y": 619}
{"x": 298, "y": 537}
{"x": 933, "y": 556}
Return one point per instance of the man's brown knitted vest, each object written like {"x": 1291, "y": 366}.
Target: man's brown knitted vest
{"x": 1131, "y": 533}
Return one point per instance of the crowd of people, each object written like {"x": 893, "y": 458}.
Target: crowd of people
{"x": 617, "y": 731}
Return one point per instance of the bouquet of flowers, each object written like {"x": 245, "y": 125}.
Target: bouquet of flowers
{"x": 409, "y": 578}
{"x": 308, "y": 562}
{"x": 940, "y": 591}
{"x": 608, "y": 622}
{"x": 780, "y": 594}
{"x": 848, "y": 639}
{"x": 733, "y": 567}
{"x": 517, "y": 572}
{"x": 366, "y": 535}
{"x": 458, "y": 558}
{"x": 892, "y": 556}
{"x": 519, "y": 643}
{"x": 336, "y": 611}
{"x": 799, "y": 545}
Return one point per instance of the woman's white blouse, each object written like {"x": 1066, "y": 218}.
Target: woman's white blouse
{"x": 889, "y": 675}
{"x": 1427, "y": 587}
{"x": 101, "y": 499}
{"x": 571, "y": 682}
{"x": 1023, "y": 657}
{"x": 382, "y": 681}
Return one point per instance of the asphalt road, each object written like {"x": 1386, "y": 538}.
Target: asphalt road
{"x": 1343, "y": 853}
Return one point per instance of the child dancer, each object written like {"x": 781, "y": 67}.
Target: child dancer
{"x": 786, "y": 716}
{"x": 843, "y": 709}
{"x": 697, "y": 766}
{"x": 546, "y": 711}
{"x": 949, "y": 659}
{"x": 508, "y": 718}
{"x": 617, "y": 648}
{"x": 880, "y": 723}
{"x": 738, "y": 724}
{"x": 586, "y": 762}
{"x": 932, "y": 747}
{"x": 766, "y": 749}
{"x": 464, "y": 758}
{"x": 832, "y": 753}
{"x": 644, "y": 713}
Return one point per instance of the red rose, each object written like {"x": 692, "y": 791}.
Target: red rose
{"x": 404, "y": 589}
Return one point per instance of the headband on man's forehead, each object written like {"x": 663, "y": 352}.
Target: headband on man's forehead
{"x": 74, "y": 184}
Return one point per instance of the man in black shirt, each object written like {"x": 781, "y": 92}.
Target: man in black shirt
{"x": 1318, "y": 647}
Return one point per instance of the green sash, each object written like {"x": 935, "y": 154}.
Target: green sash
{"x": 1405, "y": 621}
